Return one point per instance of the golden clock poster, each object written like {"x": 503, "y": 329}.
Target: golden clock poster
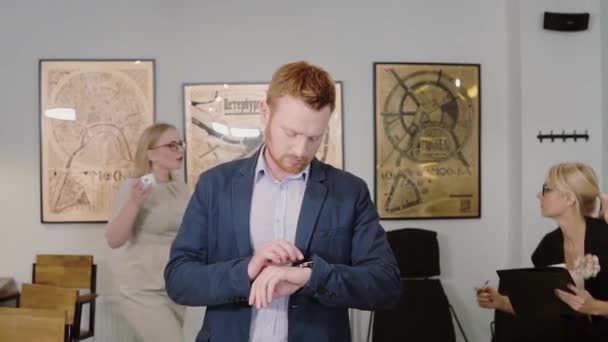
{"x": 223, "y": 123}
{"x": 427, "y": 140}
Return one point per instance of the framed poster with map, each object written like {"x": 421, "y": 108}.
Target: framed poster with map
{"x": 223, "y": 123}
{"x": 92, "y": 113}
{"x": 427, "y": 140}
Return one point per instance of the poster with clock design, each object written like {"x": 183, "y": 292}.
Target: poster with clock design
{"x": 222, "y": 123}
{"x": 427, "y": 140}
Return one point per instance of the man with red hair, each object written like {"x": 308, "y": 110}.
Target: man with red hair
{"x": 278, "y": 246}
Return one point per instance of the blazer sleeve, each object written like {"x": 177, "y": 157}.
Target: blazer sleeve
{"x": 372, "y": 280}
{"x": 189, "y": 277}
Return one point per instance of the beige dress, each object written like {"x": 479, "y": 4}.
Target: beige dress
{"x": 139, "y": 272}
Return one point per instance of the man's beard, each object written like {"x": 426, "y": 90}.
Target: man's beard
{"x": 297, "y": 168}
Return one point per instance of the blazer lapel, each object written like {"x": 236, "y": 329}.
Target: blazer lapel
{"x": 314, "y": 196}
{"x": 242, "y": 192}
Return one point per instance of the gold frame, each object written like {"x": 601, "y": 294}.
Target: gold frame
{"x": 427, "y": 140}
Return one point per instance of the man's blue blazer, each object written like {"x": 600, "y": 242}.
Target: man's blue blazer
{"x": 338, "y": 229}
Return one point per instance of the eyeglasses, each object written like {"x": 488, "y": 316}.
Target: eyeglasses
{"x": 546, "y": 189}
{"x": 173, "y": 146}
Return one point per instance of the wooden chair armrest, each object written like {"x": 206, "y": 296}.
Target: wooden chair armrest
{"x": 87, "y": 298}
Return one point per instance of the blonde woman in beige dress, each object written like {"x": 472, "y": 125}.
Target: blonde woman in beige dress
{"x": 145, "y": 220}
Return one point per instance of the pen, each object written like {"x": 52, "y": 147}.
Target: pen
{"x": 482, "y": 288}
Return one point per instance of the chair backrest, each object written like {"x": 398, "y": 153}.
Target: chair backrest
{"x": 73, "y": 271}
{"x": 32, "y": 325}
{"x": 35, "y": 296}
{"x": 416, "y": 251}
{"x": 423, "y": 314}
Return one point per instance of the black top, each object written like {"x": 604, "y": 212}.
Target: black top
{"x": 550, "y": 251}
{"x": 579, "y": 328}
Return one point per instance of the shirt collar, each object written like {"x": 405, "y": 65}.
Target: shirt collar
{"x": 261, "y": 169}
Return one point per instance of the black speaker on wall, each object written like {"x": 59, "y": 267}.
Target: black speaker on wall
{"x": 566, "y": 21}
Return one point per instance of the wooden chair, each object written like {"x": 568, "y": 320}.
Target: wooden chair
{"x": 75, "y": 272}
{"x": 35, "y": 296}
{"x": 32, "y": 325}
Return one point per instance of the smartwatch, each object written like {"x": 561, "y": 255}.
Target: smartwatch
{"x": 305, "y": 264}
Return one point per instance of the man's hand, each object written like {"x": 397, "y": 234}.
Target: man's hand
{"x": 277, "y": 282}
{"x": 277, "y": 252}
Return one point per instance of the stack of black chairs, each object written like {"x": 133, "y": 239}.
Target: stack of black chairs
{"x": 424, "y": 313}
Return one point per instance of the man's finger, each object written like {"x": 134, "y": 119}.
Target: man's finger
{"x": 293, "y": 251}
{"x": 252, "y": 293}
{"x": 272, "y": 256}
{"x": 280, "y": 251}
{"x": 270, "y": 289}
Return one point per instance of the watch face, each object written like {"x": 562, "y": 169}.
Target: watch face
{"x": 306, "y": 264}
{"x": 223, "y": 123}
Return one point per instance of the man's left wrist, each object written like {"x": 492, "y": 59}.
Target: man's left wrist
{"x": 303, "y": 275}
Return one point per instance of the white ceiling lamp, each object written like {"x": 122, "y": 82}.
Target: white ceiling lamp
{"x": 68, "y": 114}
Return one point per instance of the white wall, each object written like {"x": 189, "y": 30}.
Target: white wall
{"x": 604, "y": 44}
{"x": 514, "y": 135}
{"x": 561, "y": 89}
{"x": 206, "y": 41}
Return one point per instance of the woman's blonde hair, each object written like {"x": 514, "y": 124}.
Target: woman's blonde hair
{"x": 580, "y": 180}
{"x": 149, "y": 138}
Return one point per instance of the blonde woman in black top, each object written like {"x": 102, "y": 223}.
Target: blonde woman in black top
{"x": 569, "y": 196}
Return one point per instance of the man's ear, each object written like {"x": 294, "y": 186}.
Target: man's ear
{"x": 265, "y": 111}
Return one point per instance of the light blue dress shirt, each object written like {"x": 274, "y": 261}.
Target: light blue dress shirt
{"x": 275, "y": 208}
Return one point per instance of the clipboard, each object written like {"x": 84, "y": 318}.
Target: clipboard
{"x": 532, "y": 290}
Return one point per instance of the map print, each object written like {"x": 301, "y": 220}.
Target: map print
{"x": 84, "y": 160}
{"x": 223, "y": 123}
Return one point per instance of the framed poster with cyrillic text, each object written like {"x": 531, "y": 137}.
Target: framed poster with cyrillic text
{"x": 223, "y": 123}
{"x": 427, "y": 140}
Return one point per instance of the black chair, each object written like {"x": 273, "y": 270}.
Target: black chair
{"x": 424, "y": 312}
